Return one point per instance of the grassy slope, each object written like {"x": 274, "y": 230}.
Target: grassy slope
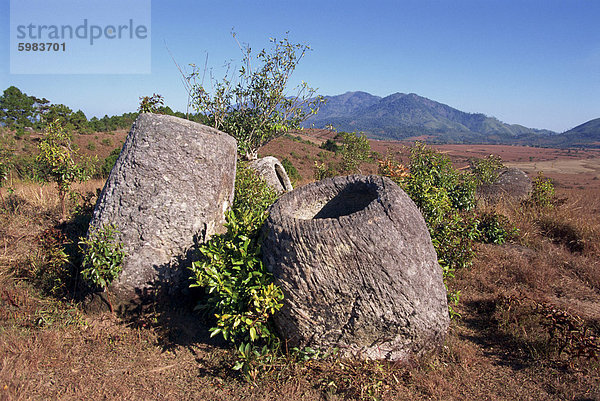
{"x": 498, "y": 350}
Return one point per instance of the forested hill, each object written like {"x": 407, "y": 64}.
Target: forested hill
{"x": 586, "y": 133}
{"x": 395, "y": 117}
{"x": 19, "y": 110}
{"x": 402, "y": 116}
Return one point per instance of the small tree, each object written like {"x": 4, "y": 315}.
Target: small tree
{"x": 16, "y": 108}
{"x": 151, "y": 104}
{"x": 62, "y": 113}
{"x": 542, "y": 191}
{"x": 103, "y": 257}
{"x": 486, "y": 170}
{"x": 57, "y": 162}
{"x": 355, "y": 149}
{"x": 256, "y": 108}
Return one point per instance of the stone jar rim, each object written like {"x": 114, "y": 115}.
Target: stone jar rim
{"x": 334, "y": 199}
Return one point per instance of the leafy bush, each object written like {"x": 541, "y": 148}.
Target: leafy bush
{"x": 322, "y": 171}
{"x": 436, "y": 187}
{"x": 110, "y": 161}
{"x": 57, "y": 160}
{"x": 291, "y": 171}
{"x": 103, "y": 256}
{"x": 355, "y": 149}
{"x": 151, "y": 104}
{"x": 252, "y": 194}
{"x": 486, "y": 170}
{"x": 242, "y": 295}
{"x": 26, "y": 167}
{"x": 495, "y": 229}
{"x": 330, "y": 145}
{"x": 446, "y": 199}
{"x": 388, "y": 167}
{"x": 257, "y": 107}
{"x": 542, "y": 191}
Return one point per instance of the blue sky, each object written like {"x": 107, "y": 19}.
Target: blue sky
{"x": 535, "y": 63}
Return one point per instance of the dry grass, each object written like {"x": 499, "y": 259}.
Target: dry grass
{"x": 500, "y": 349}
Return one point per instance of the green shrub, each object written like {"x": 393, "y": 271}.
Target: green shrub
{"x": 26, "y": 167}
{"x": 322, "y": 171}
{"x": 241, "y": 293}
{"x": 486, "y": 170}
{"x": 291, "y": 171}
{"x": 110, "y": 161}
{"x": 103, "y": 256}
{"x": 252, "y": 194}
{"x": 542, "y": 191}
{"x": 495, "y": 229}
{"x": 435, "y": 186}
{"x": 330, "y": 145}
{"x": 151, "y": 104}
{"x": 446, "y": 199}
{"x": 355, "y": 150}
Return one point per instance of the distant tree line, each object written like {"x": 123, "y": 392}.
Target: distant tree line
{"x": 19, "y": 111}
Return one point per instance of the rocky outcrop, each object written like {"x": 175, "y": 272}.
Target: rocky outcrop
{"x": 358, "y": 270}
{"x": 512, "y": 184}
{"x": 170, "y": 186}
{"x": 271, "y": 170}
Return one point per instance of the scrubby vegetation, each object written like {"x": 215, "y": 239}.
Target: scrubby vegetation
{"x": 353, "y": 150}
{"x": 528, "y": 327}
{"x": 103, "y": 256}
{"x": 242, "y": 296}
{"x": 57, "y": 161}
{"x": 255, "y": 106}
{"x": 447, "y": 201}
{"x": 526, "y": 322}
{"x": 291, "y": 171}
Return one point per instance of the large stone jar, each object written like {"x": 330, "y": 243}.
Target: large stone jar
{"x": 358, "y": 270}
{"x": 169, "y": 188}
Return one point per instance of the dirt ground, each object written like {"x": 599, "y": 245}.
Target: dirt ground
{"x": 508, "y": 344}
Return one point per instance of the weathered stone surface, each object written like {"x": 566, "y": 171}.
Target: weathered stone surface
{"x": 358, "y": 270}
{"x": 512, "y": 184}
{"x": 171, "y": 184}
{"x": 273, "y": 173}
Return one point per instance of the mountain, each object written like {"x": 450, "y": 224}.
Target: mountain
{"x": 586, "y": 134}
{"x": 405, "y": 116}
{"x": 346, "y": 104}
